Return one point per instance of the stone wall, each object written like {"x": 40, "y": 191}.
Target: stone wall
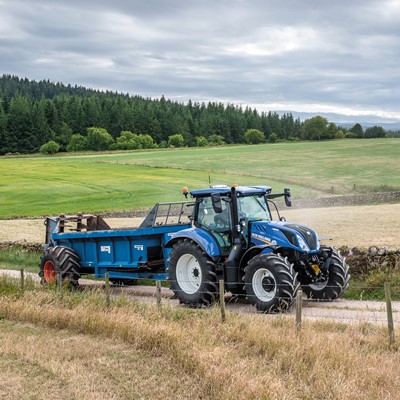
{"x": 363, "y": 261}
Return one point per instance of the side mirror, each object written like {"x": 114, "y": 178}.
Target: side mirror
{"x": 216, "y": 203}
{"x": 288, "y": 197}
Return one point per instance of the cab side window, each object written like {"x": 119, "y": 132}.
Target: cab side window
{"x": 218, "y": 224}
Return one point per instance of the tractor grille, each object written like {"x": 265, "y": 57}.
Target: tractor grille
{"x": 308, "y": 235}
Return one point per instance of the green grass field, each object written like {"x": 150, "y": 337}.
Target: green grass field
{"x": 35, "y": 186}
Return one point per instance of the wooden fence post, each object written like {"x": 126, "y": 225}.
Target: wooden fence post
{"x": 22, "y": 279}
{"x": 59, "y": 282}
{"x": 107, "y": 282}
{"x": 222, "y": 299}
{"x": 299, "y": 307}
{"x": 388, "y": 296}
{"x": 158, "y": 294}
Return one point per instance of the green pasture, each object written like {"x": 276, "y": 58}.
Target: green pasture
{"x": 50, "y": 186}
{"x": 36, "y": 186}
{"x": 346, "y": 165}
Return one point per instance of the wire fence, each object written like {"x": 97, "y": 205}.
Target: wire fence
{"x": 294, "y": 303}
{"x": 300, "y": 307}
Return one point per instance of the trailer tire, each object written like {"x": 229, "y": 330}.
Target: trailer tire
{"x": 335, "y": 285}
{"x": 60, "y": 260}
{"x": 271, "y": 283}
{"x": 192, "y": 274}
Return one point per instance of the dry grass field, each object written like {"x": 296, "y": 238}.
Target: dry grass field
{"x": 42, "y": 363}
{"x": 130, "y": 351}
{"x": 353, "y": 226}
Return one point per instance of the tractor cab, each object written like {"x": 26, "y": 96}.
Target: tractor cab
{"x": 229, "y": 212}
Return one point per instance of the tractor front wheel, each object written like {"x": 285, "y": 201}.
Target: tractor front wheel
{"x": 192, "y": 274}
{"x": 270, "y": 283}
{"x": 335, "y": 284}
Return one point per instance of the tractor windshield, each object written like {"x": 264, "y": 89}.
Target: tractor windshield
{"x": 253, "y": 208}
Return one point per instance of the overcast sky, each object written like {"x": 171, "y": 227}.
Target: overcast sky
{"x": 338, "y": 56}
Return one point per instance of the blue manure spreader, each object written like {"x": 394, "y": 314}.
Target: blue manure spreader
{"x": 219, "y": 233}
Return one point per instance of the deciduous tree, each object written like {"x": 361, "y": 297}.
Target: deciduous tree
{"x": 50, "y": 147}
{"x": 254, "y": 136}
{"x": 98, "y": 139}
{"x": 176, "y": 140}
{"x": 315, "y": 128}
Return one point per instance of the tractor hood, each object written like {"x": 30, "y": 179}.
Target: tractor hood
{"x": 284, "y": 234}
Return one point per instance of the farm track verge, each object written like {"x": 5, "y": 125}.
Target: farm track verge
{"x": 341, "y": 310}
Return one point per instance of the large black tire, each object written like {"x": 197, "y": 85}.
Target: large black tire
{"x": 192, "y": 274}
{"x": 335, "y": 285}
{"x": 271, "y": 283}
{"x": 62, "y": 260}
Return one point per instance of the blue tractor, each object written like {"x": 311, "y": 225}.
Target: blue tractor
{"x": 234, "y": 238}
{"x": 222, "y": 233}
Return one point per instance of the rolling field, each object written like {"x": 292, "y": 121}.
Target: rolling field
{"x": 370, "y": 165}
{"x": 72, "y": 346}
{"x": 35, "y": 186}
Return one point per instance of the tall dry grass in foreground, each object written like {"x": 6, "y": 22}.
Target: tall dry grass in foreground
{"x": 247, "y": 357}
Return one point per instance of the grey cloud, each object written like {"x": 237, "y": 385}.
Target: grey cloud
{"x": 340, "y": 55}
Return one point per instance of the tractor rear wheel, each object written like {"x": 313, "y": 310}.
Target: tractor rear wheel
{"x": 60, "y": 260}
{"x": 192, "y": 274}
{"x": 335, "y": 285}
{"x": 270, "y": 283}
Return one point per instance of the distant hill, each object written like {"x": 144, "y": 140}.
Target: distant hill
{"x": 388, "y": 126}
{"x": 348, "y": 121}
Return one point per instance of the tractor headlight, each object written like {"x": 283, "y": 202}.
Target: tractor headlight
{"x": 302, "y": 243}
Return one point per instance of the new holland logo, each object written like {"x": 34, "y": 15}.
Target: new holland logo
{"x": 262, "y": 238}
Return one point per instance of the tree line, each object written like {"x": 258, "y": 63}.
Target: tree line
{"x": 72, "y": 118}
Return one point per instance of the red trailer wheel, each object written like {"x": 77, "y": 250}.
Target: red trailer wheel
{"x": 49, "y": 271}
{"x": 60, "y": 260}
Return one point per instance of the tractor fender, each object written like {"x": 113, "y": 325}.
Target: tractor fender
{"x": 200, "y": 236}
{"x": 254, "y": 251}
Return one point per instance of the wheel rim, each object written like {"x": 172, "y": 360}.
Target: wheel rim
{"x": 264, "y": 284}
{"x": 188, "y": 273}
{"x": 318, "y": 286}
{"x": 49, "y": 271}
